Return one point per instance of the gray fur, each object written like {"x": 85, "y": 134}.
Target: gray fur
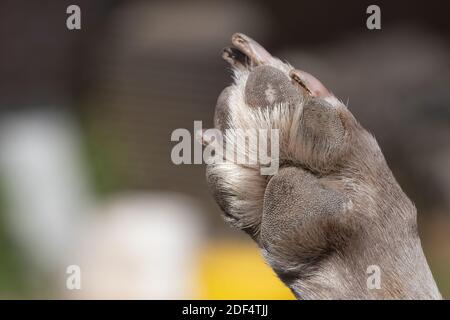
{"x": 334, "y": 208}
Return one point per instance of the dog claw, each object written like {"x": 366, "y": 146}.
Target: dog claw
{"x": 235, "y": 58}
{"x": 309, "y": 83}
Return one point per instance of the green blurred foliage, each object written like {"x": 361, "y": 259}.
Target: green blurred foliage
{"x": 12, "y": 283}
{"x": 104, "y": 174}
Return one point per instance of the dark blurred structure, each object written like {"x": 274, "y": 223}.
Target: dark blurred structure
{"x": 137, "y": 70}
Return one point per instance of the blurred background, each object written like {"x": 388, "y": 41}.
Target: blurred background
{"x": 86, "y": 116}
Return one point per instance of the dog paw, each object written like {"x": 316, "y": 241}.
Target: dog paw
{"x": 331, "y": 204}
{"x": 315, "y": 134}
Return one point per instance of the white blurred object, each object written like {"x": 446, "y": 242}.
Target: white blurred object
{"x": 140, "y": 246}
{"x": 44, "y": 182}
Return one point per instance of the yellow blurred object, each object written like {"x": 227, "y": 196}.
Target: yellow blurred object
{"x": 236, "y": 270}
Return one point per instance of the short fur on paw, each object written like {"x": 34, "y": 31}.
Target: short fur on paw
{"x": 332, "y": 180}
{"x": 333, "y": 207}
